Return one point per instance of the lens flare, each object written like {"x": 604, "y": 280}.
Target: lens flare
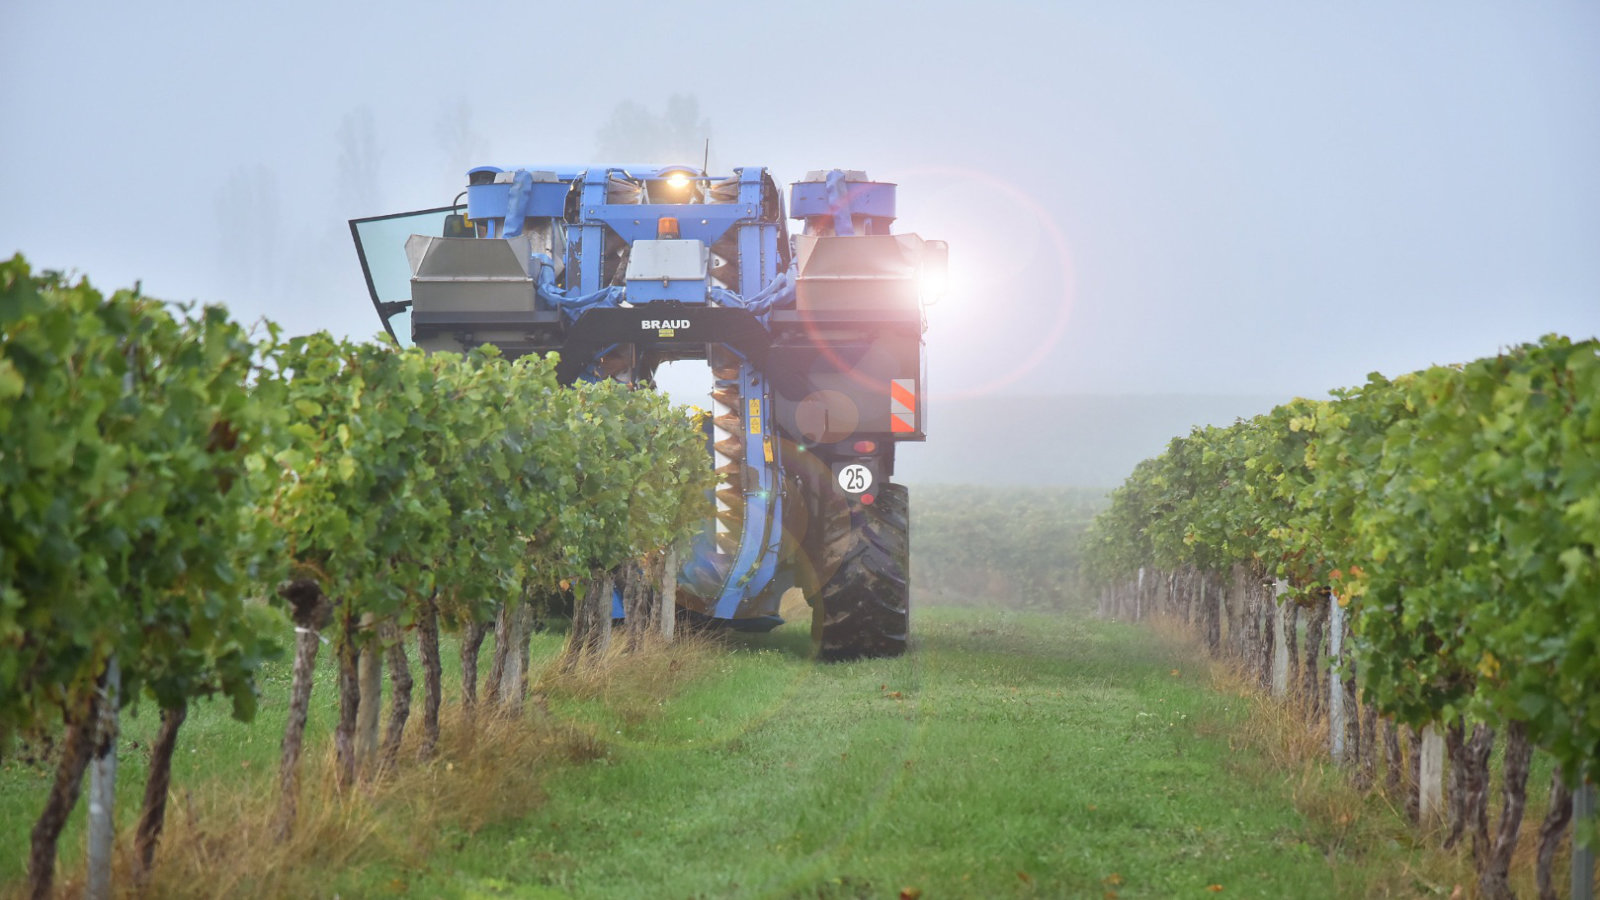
{"x": 974, "y": 210}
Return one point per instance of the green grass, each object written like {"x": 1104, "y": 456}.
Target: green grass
{"x": 1009, "y": 754}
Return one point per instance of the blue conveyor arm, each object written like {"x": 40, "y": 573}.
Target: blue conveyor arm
{"x": 780, "y": 292}
{"x": 544, "y": 284}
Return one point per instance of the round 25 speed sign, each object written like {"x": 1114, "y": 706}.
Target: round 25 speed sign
{"x": 855, "y": 478}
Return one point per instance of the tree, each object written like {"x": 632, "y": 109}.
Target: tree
{"x": 635, "y": 134}
{"x": 250, "y": 245}
{"x": 359, "y": 161}
{"x": 462, "y": 145}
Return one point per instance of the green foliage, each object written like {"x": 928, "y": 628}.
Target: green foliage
{"x": 1494, "y": 546}
{"x": 402, "y": 473}
{"x": 126, "y": 434}
{"x": 360, "y": 495}
{"x": 638, "y": 481}
{"x": 1455, "y": 510}
{"x": 159, "y": 467}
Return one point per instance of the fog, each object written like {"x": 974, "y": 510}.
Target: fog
{"x": 1223, "y": 198}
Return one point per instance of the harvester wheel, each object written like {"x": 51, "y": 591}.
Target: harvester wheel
{"x": 863, "y": 610}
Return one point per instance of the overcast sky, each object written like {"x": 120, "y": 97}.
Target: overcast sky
{"x": 1220, "y": 197}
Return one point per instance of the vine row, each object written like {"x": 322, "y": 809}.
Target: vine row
{"x": 1452, "y": 515}
{"x": 180, "y": 492}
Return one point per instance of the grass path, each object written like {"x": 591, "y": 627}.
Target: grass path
{"x": 1008, "y": 755}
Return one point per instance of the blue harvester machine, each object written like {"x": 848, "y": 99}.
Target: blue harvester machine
{"x": 814, "y": 341}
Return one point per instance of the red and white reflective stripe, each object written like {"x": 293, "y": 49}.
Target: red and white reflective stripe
{"x": 903, "y": 406}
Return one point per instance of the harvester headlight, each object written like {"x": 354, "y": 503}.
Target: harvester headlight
{"x": 674, "y": 186}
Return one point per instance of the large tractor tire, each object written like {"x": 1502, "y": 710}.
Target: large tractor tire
{"x": 863, "y": 609}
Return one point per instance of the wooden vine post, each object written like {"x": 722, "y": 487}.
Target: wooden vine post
{"x": 1430, "y": 778}
{"x": 667, "y": 609}
{"x": 369, "y": 677}
{"x": 103, "y": 788}
{"x": 1280, "y": 640}
{"x": 1582, "y": 853}
{"x": 1336, "y": 710}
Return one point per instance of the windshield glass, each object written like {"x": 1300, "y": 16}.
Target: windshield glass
{"x": 381, "y": 245}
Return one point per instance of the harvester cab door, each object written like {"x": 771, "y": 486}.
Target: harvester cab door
{"x": 381, "y": 245}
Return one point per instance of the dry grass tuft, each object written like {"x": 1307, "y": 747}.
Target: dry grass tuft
{"x": 1341, "y": 816}
{"x": 219, "y": 841}
{"x": 1327, "y": 796}
{"x": 627, "y": 681}
{"x": 488, "y": 768}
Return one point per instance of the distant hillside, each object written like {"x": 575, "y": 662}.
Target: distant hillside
{"x": 1080, "y": 440}
{"x": 1011, "y": 546}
